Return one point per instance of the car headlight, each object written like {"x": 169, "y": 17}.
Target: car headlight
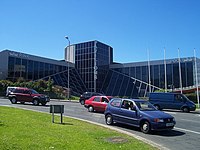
{"x": 173, "y": 119}
{"x": 158, "y": 120}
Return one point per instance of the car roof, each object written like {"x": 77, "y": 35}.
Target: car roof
{"x": 135, "y": 100}
{"x": 22, "y": 88}
{"x": 102, "y": 96}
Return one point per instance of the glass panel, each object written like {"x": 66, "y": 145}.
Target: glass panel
{"x": 190, "y": 78}
{"x": 46, "y": 69}
{"x": 24, "y": 68}
{"x": 97, "y": 99}
{"x": 17, "y": 67}
{"x": 41, "y": 70}
{"x": 30, "y": 69}
{"x": 11, "y": 72}
{"x": 36, "y": 68}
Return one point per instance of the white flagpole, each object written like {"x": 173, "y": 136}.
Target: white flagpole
{"x": 149, "y": 71}
{"x": 197, "y": 84}
{"x": 165, "y": 72}
{"x": 180, "y": 78}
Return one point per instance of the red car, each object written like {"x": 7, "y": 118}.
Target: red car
{"x": 97, "y": 103}
{"x": 20, "y": 94}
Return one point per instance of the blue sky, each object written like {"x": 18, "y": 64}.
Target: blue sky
{"x": 131, "y": 27}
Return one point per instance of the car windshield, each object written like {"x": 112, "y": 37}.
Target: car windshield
{"x": 185, "y": 98}
{"x": 34, "y": 92}
{"x": 145, "y": 106}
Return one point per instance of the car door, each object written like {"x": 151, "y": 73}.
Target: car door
{"x": 178, "y": 101}
{"x": 96, "y": 103}
{"x": 115, "y": 109}
{"x": 103, "y": 104}
{"x": 19, "y": 94}
{"x": 128, "y": 116}
{"x": 27, "y": 96}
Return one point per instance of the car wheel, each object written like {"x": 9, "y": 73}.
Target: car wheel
{"x": 157, "y": 107}
{"x": 82, "y": 102}
{"x": 109, "y": 120}
{"x": 35, "y": 102}
{"x": 90, "y": 109}
{"x": 186, "y": 109}
{"x": 13, "y": 100}
{"x": 43, "y": 104}
{"x": 145, "y": 127}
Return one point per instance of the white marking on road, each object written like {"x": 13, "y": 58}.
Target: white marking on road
{"x": 187, "y": 130}
{"x": 170, "y": 112}
{"x": 191, "y": 120}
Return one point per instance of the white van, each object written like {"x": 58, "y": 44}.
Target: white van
{"x": 9, "y": 89}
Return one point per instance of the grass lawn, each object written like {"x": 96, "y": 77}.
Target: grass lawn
{"x": 24, "y": 129}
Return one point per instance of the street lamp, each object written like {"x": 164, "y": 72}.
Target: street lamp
{"x": 68, "y": 65}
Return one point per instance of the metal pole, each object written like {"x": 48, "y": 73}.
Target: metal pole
{"x": 61, "y": 117}
{"x": 165, "y": 72}
{"x": 180, "y": 78}
{"x": 197, "y": 84}
{"x": 149, "y": 71}
{"x": 68, "y": 60}
{"x": 52, "y": 113}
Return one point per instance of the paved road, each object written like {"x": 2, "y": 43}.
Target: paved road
{"x": 186, "y": 134}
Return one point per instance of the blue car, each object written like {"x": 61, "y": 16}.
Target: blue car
{"x": 139, "y": 113}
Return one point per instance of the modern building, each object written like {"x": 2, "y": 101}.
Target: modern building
{"x": 14, "y": 65}
{"x": 169, "y": 74}
{"x": 91, "y": 68}
{"x": 92, "y": 60}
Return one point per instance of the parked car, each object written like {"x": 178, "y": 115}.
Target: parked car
{"x": 97, "y": 103}
{"x": 171, "y": 101}
{"x": 138, "y": 113}
{"x": 23, "y": 95}
{"x": 87, "y": 95}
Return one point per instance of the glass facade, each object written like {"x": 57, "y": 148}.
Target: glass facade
{"x": 117, "y": 84}
{"x": 157, "y": 72}
{"x": 31, "y": 70}
{"x": 92, "y": 61}
{"x": 76, "y": 85}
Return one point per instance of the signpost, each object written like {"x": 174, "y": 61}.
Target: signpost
{"x": 57, "y": 109}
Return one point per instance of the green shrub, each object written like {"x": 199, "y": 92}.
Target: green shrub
{"x": 42, "y": 86}
{"x": 192, "y": 97}
{"x": 74, "y": 98}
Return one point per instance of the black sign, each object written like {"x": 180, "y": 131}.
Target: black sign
{"x": 56, "y": 108}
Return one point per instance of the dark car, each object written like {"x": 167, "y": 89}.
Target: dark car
{"x": 27, "y": 95}
{"x": 97, "y": 103}
{"x": 139, "y": 113}
{"x": 87, "y": 95}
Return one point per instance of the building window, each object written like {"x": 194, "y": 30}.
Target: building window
{"x": 11, "y": 71}
{"x": 30, "y": 69}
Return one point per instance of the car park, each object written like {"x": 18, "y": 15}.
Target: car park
{"x": 138, "y": 113}
{"x": 97, "y": 103}
{"x": 88, "y": 95}
{"x": 170, "y": 100}
{"x": 23, "y": 95}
